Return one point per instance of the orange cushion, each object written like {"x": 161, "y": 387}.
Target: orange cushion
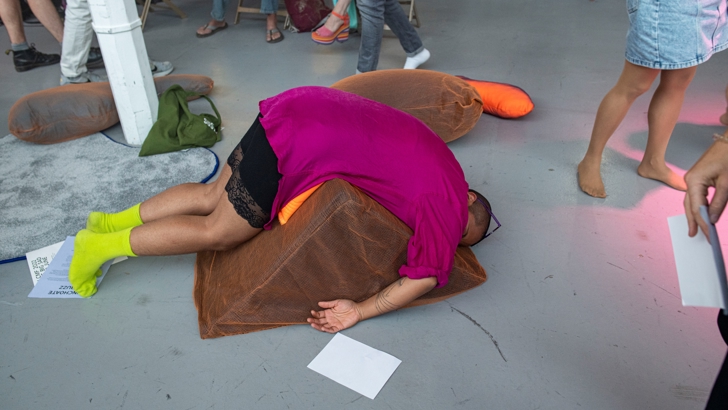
{"x": 502, "y": 100}
{"x": 287, "y": 211}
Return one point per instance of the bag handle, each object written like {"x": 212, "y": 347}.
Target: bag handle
{"x": 211, "y": 104}
{"x": 189, "y": 94}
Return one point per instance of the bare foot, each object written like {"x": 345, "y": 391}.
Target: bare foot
{"x": 590, "y": 178}
{"x": 663, "y": 174}
{"x": 211, "y": 27}
{"x": 272, "y": 34}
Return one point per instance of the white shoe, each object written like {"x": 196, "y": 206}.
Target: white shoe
{"x": 87, "y": 77}
{"x": 160, "y": 68}
{"x": 417, "y": 60}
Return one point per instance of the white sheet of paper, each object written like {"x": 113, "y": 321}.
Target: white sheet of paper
{"x": 54, "y": 282}
{"x": 39, "y": 259}
{"x": 699, "y": 265}
{"x": 355, "y": 365}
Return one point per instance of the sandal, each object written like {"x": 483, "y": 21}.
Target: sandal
{"x": 325, "y": 36}
{"x": 274, "y": 40}
{"x": 213, "y": 29}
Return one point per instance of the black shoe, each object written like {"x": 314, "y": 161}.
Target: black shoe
{"x": 95, "y": 59}
{"x": 31, "y": 58}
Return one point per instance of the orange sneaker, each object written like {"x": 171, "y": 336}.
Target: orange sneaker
{"x": 326, "y": 36}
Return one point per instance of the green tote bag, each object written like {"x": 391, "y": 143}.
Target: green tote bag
{"x": 177, "y": 128}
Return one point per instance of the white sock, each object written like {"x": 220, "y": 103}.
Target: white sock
{"x": 417, "y": 60}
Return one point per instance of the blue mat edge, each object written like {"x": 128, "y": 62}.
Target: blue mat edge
{"x": 207, "y": 178}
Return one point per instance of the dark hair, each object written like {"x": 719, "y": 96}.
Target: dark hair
{"x": 482, "y": 216}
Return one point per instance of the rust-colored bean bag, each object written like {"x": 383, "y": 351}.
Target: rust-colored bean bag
{"x": 339, "y": 244}
{"x": 77, "y": 110}
{"x": 447, "y": 104}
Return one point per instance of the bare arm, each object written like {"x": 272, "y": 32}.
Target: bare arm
{"x": 341, "y": 314}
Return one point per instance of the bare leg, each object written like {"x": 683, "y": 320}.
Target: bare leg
{"x": 271, "y": 23}
{"x": 662, "y": 117}
{"x": 206, "y": 30}
{"x": 12, "y": 18}
{"x": 333, "y": 23}
{"x": 219, "y": 229}
{"x": 186, "y": 199}
{"x": 178, "y": 234}
{"x": 47, "y": 14}
{"x": 633, "y": 82}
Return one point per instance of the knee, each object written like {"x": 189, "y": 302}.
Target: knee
{"x": 678, "y": 80}
{"x": 212, "y": 195}
{"x": 218, "y": 240}
{"x": 632, "y": 91}
{"x": 369, "y": 8}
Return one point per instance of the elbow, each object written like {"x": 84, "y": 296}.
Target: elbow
{"x": 428, "y": 283}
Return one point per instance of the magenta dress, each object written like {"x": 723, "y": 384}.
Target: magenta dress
{"x": 319, "y": 134}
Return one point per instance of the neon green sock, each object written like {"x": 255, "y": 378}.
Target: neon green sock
{"x": 100, "y": 222}
{"x": 90, "y": 251}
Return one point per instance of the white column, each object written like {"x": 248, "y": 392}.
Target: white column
{"x": 119, "y": 31}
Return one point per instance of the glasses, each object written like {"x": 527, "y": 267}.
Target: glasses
{"x": 486, "y": 233}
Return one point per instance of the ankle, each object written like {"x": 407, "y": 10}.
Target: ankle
{"x": 333, "y": 23}
{"x": 592, "y": 159}
{"x": 20, "y": 47}
{"x": 653, "y": 163}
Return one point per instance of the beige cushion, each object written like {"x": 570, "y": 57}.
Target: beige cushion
{"x": 77, "y": 110}
{"x": 447, "y": 104}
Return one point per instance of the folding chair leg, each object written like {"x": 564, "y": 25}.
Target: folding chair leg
{"x": 176, "y": 9}
{"x": 413, "y": 14}
{"x": 145, "y": 12}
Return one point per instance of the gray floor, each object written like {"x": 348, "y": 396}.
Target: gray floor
{"x": 582, "y": 306}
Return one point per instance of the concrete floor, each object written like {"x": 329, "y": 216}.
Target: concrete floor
{"x": 581, "y": 308}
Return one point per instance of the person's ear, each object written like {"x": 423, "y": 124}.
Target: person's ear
{"x": 471, "y": 198}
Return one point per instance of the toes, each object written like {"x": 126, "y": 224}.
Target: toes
{"x": 86, "y": 289}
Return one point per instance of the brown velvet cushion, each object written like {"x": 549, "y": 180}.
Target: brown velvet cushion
{"x": 339, "y": 244}
{"x": 447, "y": 104}
{"x": 78, "y": 110}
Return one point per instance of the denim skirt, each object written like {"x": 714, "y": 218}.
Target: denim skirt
{"x": 673, "y": 34}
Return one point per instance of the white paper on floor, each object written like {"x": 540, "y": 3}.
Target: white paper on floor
{"x": 39, "y": 259}
{"x": 355, "y": 365}
{"x": 700, "y": 267}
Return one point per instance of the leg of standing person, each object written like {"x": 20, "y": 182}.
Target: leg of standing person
{"x": 218, "y": 19}
{"x": 26, "y": 57}
{"x": 718, "y": 399}
{"x": 373, "y": 16}
{"x": 400, "y": 25}
{"x": 372, "y": 26}
{"x": 77, "y": 36}
{"x": 633, "y": 82}
{"x": 48, "y": 16}
{"x": 336, "y": 27}
{"x": 272, "y": 34}
{"x": 662, "y": 117}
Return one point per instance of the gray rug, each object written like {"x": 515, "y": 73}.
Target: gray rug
{"x": 47, "y": 191}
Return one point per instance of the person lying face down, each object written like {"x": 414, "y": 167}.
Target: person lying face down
{"x": 303, "y": 137}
